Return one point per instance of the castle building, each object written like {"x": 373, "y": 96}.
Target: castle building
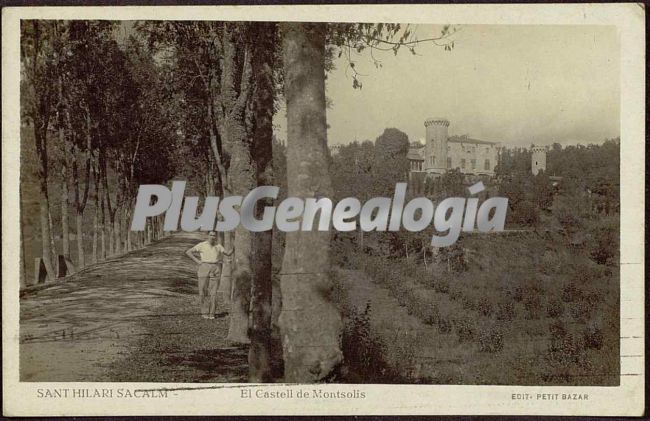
{"x": 538, "y": 159}
{"x": 442, "y": 152}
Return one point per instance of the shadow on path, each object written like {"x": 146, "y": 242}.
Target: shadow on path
{"x": 131, "y": 318}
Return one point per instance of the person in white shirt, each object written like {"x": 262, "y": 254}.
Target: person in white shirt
{"x": 210, "y": 260}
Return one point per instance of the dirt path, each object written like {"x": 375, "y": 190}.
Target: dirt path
{"x": 132, "y": 318}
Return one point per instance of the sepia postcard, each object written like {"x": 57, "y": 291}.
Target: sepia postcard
{"x": 323, "y": 210}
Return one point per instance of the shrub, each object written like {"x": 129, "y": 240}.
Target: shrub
{"x": 582, "y": 310}
{"x": 490, "y": 340}
{"x": 431, "y": 315}
{"x": 427, "y": 312}
{"x": 554, "y": 308}
{"x": 403, "y": 351}
{"x": 564, "y": 357}
{"x": 557, "y": 330}
{"x": 453, "y": 257}
{"x": 444, "y": 325}
{"x": 518, "y": 293}
{"x": 606, "y": 248}
{"x": 363, "y": 353}
{"x": 568, "y": 215}
{"x": 465, "y": 329}
{"x": 469, "y": 303}
{"x": 455, "y": 293}
{"x": 533, "y": 306}
{"x": 570, "y": 293}
{"x": 550, "y": 262}
{"x": 525, "y": 213}
{"x": 505, "y": 311}
{"x": 593, "y": 299}
{"x": 593, "y": 338}
{"x": 585, "y": 273}
{"x": 400, "y": 292}
{"x": 442, "y": 286}
{"x": 564, "y": 349}
{"x": 485, "y": 307}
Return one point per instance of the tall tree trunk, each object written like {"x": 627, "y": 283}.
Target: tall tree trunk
{"x": 129, "y": 239}
{"x": 225, "y": 286}
{"x": 65, "y": 224}
{"x": 102, "y": 228}
{"x": 65, "y": 228}
{"x": 147, "y": 230}
{"x": 46, "y": 235}
{"x": 80, "y": 240}
{"x": 117, "y": 228}
{"x": 110, "y": 210}
{"x": 95, "y": 231}
{"x": 23, "y": 262}
{"x": 40, "y": 114}
{"x": 82, "y": 198}
{"x": 235, "y": 85}
{"x": 259, "y": 355}
{"x": 55, "y": 255}
{"x": 96, "y": 205}
{"x": 310, "y": 323}
{"x": 111, "y": 236}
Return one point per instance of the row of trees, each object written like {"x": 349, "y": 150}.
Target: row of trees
{"x": 98, "y": 131}
{"x": 196, "y": 99}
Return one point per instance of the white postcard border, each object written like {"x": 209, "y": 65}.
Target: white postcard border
{"x": 21, "y": 398}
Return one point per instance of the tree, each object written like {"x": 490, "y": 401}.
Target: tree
{"x": 38, "y": 94}
{"x": 263, "y": 61}
{"x": 91, "y": 58}
{"x": 542, "y": 190}
{"x": 311, "y": 325}
{"x": 390, "y": 164}
{"x": 215, "y": 60}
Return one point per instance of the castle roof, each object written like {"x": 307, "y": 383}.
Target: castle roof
{"x": 467, "y": 139}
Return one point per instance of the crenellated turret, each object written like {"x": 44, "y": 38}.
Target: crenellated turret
{"x": 538, "y": 159}
{"x": 436, "y": 145}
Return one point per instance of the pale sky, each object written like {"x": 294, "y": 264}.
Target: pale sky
{"x": 515, "y": 84}
{"x": 512, "y": 84}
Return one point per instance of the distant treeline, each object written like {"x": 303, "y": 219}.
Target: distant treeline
{"x": 592, "y": 164}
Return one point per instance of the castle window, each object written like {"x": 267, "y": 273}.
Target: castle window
{"x": 462, "y": 163}
{"x": 487, "y": 165}
{"x": 448, "y": 162}
{"x": 473, "y": 161}
{"x": 433, "y": 161}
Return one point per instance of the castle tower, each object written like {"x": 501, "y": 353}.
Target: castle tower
{"x": 435, "y": 154}
{"x": 538, "y": 160}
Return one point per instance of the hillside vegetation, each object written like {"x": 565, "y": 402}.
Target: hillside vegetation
{"x": 535, "y": 304}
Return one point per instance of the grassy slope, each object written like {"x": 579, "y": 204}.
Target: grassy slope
{"x": 528, "y": 310}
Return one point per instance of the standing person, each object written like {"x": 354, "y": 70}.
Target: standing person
{"x": 211, "y": 258}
